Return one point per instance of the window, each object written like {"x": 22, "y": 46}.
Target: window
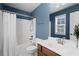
{"x": 60, "y": 24}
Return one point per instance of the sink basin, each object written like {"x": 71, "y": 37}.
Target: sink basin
{"x": 53, "y": 43}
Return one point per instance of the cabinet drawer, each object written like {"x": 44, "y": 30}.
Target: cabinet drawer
{"x": 49, "y": 52}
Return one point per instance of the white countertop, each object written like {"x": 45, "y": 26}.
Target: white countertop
{"x": 68, "y": 49}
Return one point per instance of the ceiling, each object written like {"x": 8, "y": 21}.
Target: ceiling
{"x": 59, "y": 6}
{"x": 29, "y": 7}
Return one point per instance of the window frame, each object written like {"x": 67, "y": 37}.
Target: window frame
{"x": 60, "y": 17}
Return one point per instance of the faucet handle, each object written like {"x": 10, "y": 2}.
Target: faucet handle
{"x": 60, "y": 41}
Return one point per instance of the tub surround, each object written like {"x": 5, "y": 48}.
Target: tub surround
{"x": 67, "y": 49}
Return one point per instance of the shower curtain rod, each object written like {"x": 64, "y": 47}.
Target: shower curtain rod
{"x": 18, "y": 14}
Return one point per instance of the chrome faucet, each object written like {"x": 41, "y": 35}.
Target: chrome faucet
{"x": 61, "y": 40}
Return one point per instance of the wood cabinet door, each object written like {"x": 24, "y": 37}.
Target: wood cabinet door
{"x": 43, "y": 51}
{"x": 48, "y": 52}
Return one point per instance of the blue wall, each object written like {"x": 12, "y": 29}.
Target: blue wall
{"x": 0, "y": 6}
{"x": 66, "y": 11}
{"x": 42, "y": 22}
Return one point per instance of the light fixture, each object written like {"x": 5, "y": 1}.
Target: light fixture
{"x": 59, "y": 5}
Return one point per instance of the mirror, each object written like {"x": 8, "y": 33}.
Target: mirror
{"x": 74, "y": 20}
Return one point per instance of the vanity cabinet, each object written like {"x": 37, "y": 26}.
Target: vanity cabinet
{"x": 43, "y": 51}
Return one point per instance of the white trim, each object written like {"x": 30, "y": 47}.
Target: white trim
{"x": 49, "y": 28}
{"x": 34, "y": 28}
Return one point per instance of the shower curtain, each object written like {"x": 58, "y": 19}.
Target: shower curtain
{"x": 1, "y": 34}
{"x": 9, "y": 34}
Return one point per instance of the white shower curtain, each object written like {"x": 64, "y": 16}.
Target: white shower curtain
{"x": 9, "y": 33}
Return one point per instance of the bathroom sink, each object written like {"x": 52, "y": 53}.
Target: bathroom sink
{"x": 53, "y": 43}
